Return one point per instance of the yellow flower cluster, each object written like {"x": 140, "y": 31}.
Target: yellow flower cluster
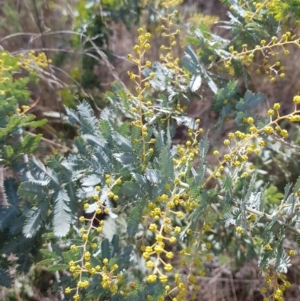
{"x": 239, "y": 230}
{"x": 186, "y": 153}
{"x": 276, "y": 283}
{"x": 9, "y": 63}
{"x": 267, "y": 50}
{"x": 241, "y": 144}
{"x": 169, "y": 58}
{"x": 161, "y": 223}
{"x": 31, "y": 60}
{"x": 83, "y": 268}
{"x": 141, "y": 107}
{"x": 3, "y": 69}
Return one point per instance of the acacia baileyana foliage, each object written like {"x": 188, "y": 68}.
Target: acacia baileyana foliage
{"x": 171, "y": 216}
{"x": 14, "y": 147}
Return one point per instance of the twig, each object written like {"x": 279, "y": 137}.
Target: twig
{"x": 268, "y": 217}
{"x": 50, "y": 141}
{"x": 3, "y": 199}
{"x": 232, "y": 287}
{"x": 17, "y": 296}
{"x": 57, "y": 277}
{"x": 42, "y": 28}
{"x": 87, "y": 39}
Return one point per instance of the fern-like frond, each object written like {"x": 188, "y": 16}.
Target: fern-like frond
{"x": 87, "y": 117}
{"x": 40, "y": 172}
{"x": 11, "y": 191}
{"x": 62, "y": 215}
{"x": 35, "y": 190}
{"x": 35, "y": 219}
{"x": 7, "y": 216}
{"x": 166, "y": 163}
{"x": 134, "y": 218}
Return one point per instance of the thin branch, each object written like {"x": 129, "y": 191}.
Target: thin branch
{"x": 270, "y": 218}
{"x": 267, "y": 217}
{"x": 50, "y": 142}
{"x": 3, "y": 199}
{"x": 57, "y": 276}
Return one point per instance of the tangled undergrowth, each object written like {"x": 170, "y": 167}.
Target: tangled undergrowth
{"x": 177, "y": 213}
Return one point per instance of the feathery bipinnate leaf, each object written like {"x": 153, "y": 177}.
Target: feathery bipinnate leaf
{"x": 192, "y": 64}
{"x": 35, "y": 219}
{"x": 11, "y": 191}
{"x": 40, "y": 172}
{"x": 8, "y": 214}
{"x": 5, "y": 280}
{"x": 166, "y": 163}
{"x": 87, "y": 116}
{"x": 62, "y": 215}
{"x": 134, "y": 218}
{"x": 296, "y": 187}
{"x": 34, "y": 190}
